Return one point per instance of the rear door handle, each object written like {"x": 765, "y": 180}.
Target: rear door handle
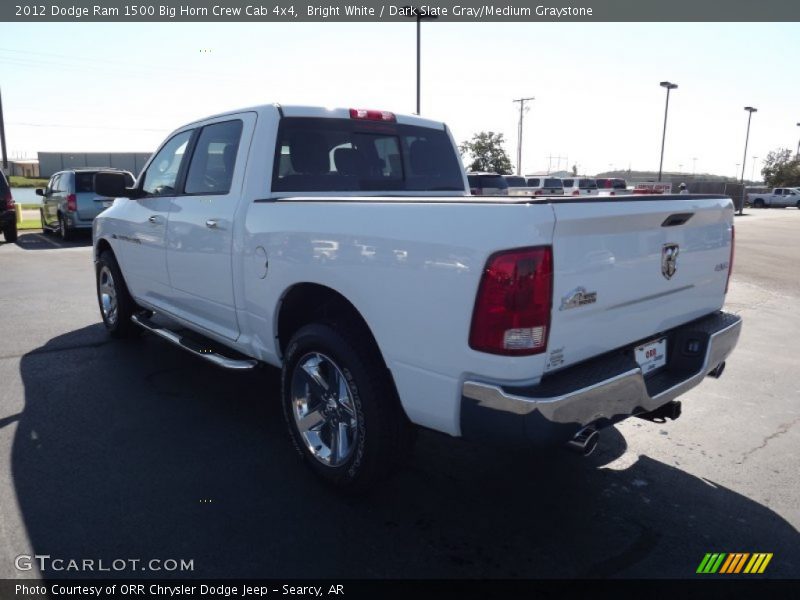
{"x": 154, "y": 219}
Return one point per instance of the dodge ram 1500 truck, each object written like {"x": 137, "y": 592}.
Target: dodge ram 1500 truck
{"x": 343, "y": 247}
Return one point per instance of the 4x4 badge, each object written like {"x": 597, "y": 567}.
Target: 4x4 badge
{"x": 669, "y": 260}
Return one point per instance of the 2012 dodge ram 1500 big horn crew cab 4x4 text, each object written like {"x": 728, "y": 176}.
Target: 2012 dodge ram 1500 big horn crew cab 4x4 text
{"x": 342, "y": 246}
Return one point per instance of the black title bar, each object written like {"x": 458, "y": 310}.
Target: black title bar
{"x": 473, "y": 11}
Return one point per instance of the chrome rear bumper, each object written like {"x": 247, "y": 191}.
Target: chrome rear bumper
{"x": 600, "y": 391}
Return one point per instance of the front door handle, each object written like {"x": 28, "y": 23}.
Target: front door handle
{"x": 211, "y": 223}
{"x": 154, "y": 219}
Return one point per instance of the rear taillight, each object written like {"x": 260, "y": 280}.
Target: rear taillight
{"x": 576, "y": 193}
{"x": 730, "y": 261}
{"x": 512, "y": 309}
{"x": 72, "y": 202}
{"x": 538, "y": 193}
{"x": 9, "y": 200}
{"x": 612, "y": 193}
{"x": 372, "y": 115}
{"x": 475, "y": 191}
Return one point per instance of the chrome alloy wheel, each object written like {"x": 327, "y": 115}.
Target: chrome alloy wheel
{"x": 324, "y": 410}
{"x": 108, "y": 295}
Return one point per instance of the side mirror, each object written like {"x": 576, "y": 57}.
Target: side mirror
{"x": 113, "y": 185}
{"x": 39, "y": 192}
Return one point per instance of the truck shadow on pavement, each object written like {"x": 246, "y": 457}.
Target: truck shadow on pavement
{"x": 37, "y": 240}
{"x": 135, "y": 450}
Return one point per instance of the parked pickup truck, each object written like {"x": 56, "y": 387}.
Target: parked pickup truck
{"x": 343, "y": 247}
{"x": 780, "y": 197}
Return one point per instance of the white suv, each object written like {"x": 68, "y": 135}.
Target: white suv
{"x": 580, "y": 186}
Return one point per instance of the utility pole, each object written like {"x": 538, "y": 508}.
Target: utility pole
{"x": 522, "y": 102}
{"x": 3, "y": 135}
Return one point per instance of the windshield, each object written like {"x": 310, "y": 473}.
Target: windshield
{"x": 318, "y": 155}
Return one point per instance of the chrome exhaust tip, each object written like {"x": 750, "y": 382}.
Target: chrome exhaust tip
{"x": 585, "y": 441}
{"x": 716, "y": 372}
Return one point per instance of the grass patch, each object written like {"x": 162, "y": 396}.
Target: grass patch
{"x": 26, "y": 182}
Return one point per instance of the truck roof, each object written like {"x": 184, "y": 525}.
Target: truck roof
{"x": 298, "y": 110}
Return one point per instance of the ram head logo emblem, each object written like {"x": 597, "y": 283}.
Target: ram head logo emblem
{"x": 669, "y": 260}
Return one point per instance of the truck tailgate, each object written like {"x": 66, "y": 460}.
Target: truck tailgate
{"x": 626, "y": 270}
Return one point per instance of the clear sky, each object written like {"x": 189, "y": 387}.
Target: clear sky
{"x": 123, "y": 87}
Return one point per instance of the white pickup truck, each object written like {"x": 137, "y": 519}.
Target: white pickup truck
{"x": 780, "y": 197}
{"x": 342, "y": 246}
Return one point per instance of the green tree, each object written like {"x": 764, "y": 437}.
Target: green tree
{"x": 487, "y": 152}
{"x": 781, "y": 169}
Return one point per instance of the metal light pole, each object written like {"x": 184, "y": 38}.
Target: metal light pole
{"x": 414, "y": 13}
{"x": 798, "y": 145}
{"x": 750, "y": 110}
{"x": 669, "y": 86}
{"x": 3, "y": 136}
{"x": 522, "y": 109}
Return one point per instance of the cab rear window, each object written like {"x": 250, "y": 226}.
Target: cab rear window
{"x": 319, "y": 155}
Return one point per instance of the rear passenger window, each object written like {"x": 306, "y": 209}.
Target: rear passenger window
{"x": 214, "y": 158}
{"x": 533, "y": 182}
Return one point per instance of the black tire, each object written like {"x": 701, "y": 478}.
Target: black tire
{"x": 758, "y": 203}
{"x": 10, "y": 232}
{"x": 798, "y": 205}
{"x": 118, "y": 323}
{"x": 382, "y": 434}
{"x": 64, "y": 230}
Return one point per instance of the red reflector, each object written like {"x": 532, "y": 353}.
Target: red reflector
{"x": 538, "y": 193}
{"x": 512, "y": 309}
{"x": 730, "y": 262}
{"x": 72, "y": 202}
{"x": 372, "y": 115}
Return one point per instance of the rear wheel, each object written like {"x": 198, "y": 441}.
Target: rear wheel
{"x": 340, "y": 406}
{"x": 116, "y": 304}
{"x": 66, "y": 232}
{"x": 10, "y": 232}
{"x": 758, "y": 203}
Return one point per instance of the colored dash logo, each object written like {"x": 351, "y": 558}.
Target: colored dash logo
{"x": 735, "y": 562}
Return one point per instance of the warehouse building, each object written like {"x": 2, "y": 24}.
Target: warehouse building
{"x": 52, "y": 162}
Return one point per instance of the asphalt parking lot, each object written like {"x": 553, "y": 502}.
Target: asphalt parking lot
{"x": 136, "y": 450}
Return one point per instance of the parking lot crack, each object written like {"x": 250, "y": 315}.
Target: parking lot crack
{"x": 783, "y": 428}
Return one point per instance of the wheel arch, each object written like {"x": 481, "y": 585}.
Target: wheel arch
{"x": 306, "y": 302}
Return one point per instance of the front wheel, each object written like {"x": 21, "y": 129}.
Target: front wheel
{"x": 340, "y": 406}
{"x": 116, "y": 304}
